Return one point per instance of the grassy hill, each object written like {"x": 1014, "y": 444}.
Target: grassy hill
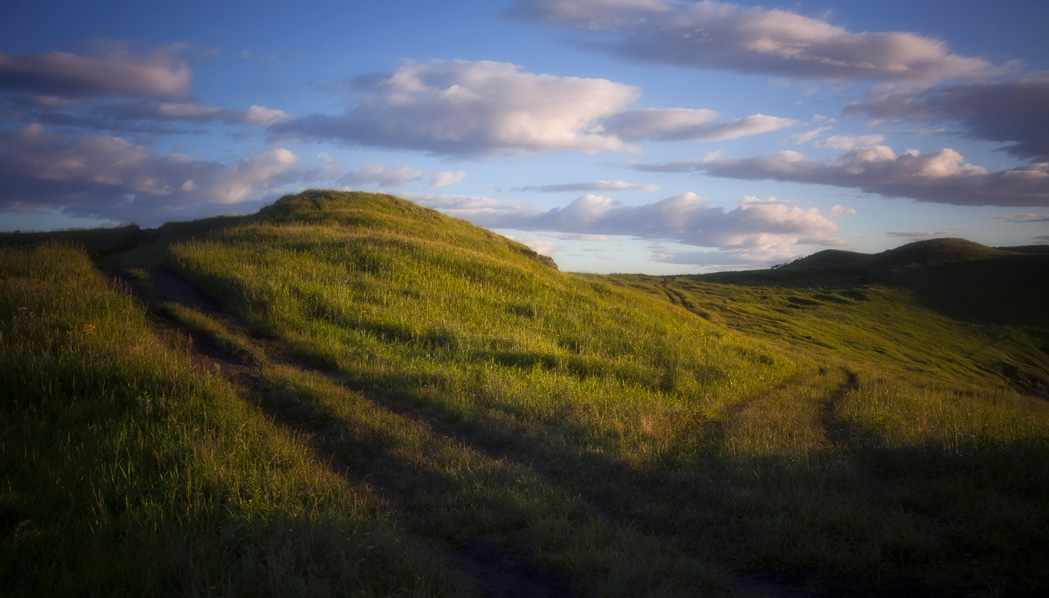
{"x": 347, "y": 394}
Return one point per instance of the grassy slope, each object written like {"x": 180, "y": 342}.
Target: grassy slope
{"x": 627, "y": 435}
{"x": 128, "y": 472}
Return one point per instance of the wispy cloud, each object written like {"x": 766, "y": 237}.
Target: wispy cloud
{"x": 920, "y": 234}
{"x": 382, "y": 175}
{"x": 597, "y": 187}
{"x": 717, "y": 35}
{"x": 807, "y": 136}
{"x": 680, "y": 124}
{"x": 1024, "y": 217}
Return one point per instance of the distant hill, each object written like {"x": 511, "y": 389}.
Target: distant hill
{"x": 936, "y": 251}
{"x": 966, "y": 280}
{"x": 918, "y": 253}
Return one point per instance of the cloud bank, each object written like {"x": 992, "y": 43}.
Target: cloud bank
{"x": 717, "y": 35}
{"x": 112, "y": 178}
{"x": 757, "y": 225}
{"x": 940, "y": 177}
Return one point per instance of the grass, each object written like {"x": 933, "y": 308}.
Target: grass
{"x": 348, "y": 393}
{"x": 128, "y": 472}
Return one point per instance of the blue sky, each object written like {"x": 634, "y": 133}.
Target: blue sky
{"x": 656, "y": 136}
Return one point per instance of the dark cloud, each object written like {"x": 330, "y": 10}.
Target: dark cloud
{"x": 1013, "y": 112}
{"x": 716, "y": 35}
{"x": 117, "y": 73}
{"x": 940, "y": 177}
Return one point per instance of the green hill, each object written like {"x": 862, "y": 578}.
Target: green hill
{"x": 348, "y": 394}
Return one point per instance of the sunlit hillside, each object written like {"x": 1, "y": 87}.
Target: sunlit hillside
{"x": 348, "y": 394}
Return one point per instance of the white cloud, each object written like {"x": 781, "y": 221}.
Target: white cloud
{"x": 751, "y": 39}
{"x": 680, "y": 124}
{"x": 840, "y": 210}
{"x": 539, "y": 245}
{"x": 442, "y": 179}
{"x": 941, "y": 177}
{"x": 260, "y": 115}
{"x": 382, "y": 175}
{"x": 492, "y": 109}
{"x": 474, "y": 109}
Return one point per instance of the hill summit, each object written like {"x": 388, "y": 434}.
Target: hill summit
{"x": 381, "y": 211}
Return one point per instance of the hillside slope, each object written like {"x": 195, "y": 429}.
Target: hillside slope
{"x": 380, "y": 367}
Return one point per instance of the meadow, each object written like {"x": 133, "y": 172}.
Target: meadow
{"x": 348, "y": 394}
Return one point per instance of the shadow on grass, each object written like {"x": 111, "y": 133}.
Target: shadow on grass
{"x": 853, "y": 519}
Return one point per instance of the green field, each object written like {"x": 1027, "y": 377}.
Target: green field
{"x": 348, "y": 394}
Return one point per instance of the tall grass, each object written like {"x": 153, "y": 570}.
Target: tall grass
{"x": 128, "y": 472}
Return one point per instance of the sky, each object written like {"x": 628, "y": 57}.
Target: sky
{"x": 651, "y": 136}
